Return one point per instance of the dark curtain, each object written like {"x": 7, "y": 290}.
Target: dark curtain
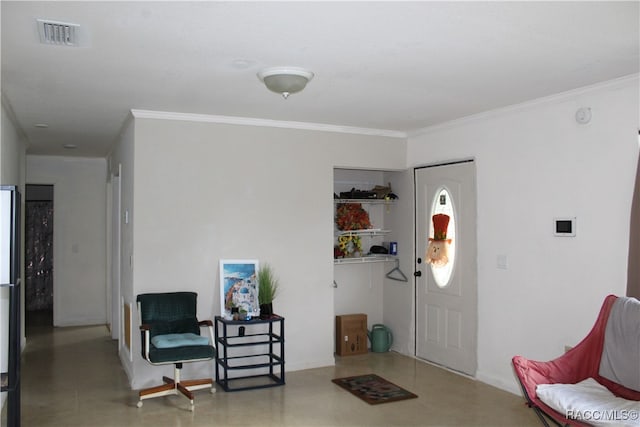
{"x": 38, "y": 270}
{"x": 633, "y": 269}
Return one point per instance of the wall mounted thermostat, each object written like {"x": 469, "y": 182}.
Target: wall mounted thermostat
{"x": 564, "y": 227}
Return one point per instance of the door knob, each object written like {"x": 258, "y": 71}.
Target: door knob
{"x": 419, "y": 260}
{"x": 418, "y": 273}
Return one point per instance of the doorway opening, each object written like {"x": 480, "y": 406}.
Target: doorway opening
{"x": 38, "y": 256}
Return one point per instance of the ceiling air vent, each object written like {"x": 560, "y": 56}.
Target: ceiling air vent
{"x": 58, "y": 33}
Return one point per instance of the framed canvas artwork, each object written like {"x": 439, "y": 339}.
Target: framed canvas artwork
{"x": 239, "y": 287}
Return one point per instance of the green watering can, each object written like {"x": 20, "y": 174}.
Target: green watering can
{"x": 381, "y": 338}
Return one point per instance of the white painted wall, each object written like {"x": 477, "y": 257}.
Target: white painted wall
{"x": 398, "y": 297}
{"x": 534, "y": 163}
{"x": 206, "y": 191}
{"x": 121, "y": 161}
{"x": 79, "y": 235}
{"x": 12, "y": 172}
{"x": 12, "y": 152}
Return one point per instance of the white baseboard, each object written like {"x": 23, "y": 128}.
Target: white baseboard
{"x": 80, "y": 322}
{"x": 510, "y": 386}
{"x": 290, "y": 367}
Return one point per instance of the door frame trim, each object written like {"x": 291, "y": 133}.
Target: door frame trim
{"x": 449, "y": 163}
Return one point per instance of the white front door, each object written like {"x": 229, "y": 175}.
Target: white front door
{"x": 446, "y": 295}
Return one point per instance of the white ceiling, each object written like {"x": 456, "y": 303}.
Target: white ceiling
{"x": 382, "y": 65}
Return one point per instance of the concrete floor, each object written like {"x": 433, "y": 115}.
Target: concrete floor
{"x": 72, "y": 377}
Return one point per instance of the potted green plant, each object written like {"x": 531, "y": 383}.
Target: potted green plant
{"x": 268, "y": 286}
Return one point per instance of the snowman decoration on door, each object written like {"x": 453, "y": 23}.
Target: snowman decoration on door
{"x": 438, "y": 248}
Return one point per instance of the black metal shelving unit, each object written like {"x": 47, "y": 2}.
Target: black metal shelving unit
{"x": 249, "y": 354}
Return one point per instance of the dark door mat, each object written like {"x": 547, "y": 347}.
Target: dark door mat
{"x": 373, "y": 389}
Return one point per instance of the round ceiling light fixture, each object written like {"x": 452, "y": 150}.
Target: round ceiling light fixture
{"x": 285, "y": 80}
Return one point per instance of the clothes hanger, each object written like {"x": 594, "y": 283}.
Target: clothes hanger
{"x": 402, "y": 277}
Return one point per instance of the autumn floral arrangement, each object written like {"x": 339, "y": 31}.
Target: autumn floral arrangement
{"x": 348, "y": 246}
{"x": 350, "y": 216}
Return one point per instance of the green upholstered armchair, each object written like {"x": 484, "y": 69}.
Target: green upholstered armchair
{"x": 170, "y": 333}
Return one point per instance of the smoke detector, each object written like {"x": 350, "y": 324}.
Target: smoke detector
{"x": 58, "y": 33}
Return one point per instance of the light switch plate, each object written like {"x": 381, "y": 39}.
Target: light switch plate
{"x": 501, "y": 262}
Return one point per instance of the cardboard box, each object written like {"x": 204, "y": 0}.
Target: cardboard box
{"x": 351, "y": 334}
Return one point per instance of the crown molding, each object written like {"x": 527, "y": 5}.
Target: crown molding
{"x": 249, "y": 121}
{"x": 555, "y": 98}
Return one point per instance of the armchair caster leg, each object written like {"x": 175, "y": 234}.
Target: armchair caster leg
{"x": 139, "y": 404}
{"x": 213, "y": 390}
{"x": 191, "y": 407}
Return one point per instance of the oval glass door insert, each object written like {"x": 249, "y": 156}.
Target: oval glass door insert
{"x": 443, "y": 204}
